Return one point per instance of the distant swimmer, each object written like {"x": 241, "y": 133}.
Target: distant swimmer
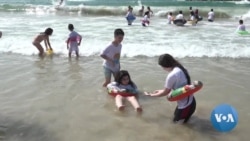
{"x": 130, "y": 16}
{"x": 241, "y": 26}
{"x": 170, "y": 17}
{"x": 141, "y": 11}
{"x": 44, "y": 36}
{"x": 150, "y": 12}
{"x": 145, "y": 20}
{"x": 60, "y": 3}
{"x": 1, "y": 34}
{"x": 211, "y": 16}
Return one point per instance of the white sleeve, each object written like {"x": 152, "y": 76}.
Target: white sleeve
{"x": 170, "y": 81}
{"x": 113, "y": 85}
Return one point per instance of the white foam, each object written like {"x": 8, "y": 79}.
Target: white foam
{"x": 206, "y": 39}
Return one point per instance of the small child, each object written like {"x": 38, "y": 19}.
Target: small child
{"x": 123, "y": 83}
{"x": 44, "y": 36}
{"x": 73, "y": 41}
{"x": 170, "y": 17}
{"x": 241, "y": 27}
{"x": 145, "y": 20}
{"x": 111, "y": 56}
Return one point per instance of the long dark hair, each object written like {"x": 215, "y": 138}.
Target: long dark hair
{"x": 167, "y": 61}
{"x": 120, "y": 75}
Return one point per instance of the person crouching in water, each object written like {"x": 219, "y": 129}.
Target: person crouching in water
{"x": 44, "y": 36}
{"x": 145, "y": 20}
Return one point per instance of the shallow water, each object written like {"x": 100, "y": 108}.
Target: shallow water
{"x": 57, "y": 99}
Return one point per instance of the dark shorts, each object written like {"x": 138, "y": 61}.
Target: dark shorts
{"x": 185, "y": 113}
{"x": 210, "y": 20}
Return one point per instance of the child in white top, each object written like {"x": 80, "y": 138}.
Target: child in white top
{"x": 241, "y": 26}
{"x": 123, "y": 83}
{"x": 211, "y": 16}
{"x": 170, "y": 17}
{"x": 111, "y": 56}
{"x": 73, "y": 41}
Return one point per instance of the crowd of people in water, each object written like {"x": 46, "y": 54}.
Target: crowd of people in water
{"x": 179, "y": 19}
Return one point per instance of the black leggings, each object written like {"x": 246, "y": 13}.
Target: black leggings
{"x": 185, "y": 113}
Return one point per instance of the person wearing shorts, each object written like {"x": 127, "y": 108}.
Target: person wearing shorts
{"x": 111, "y": 56}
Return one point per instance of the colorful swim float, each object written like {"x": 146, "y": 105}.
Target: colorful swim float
{"x": 124, "y": 93}
{"x": 243, "y": 32}
{"x": 185, "y": 91}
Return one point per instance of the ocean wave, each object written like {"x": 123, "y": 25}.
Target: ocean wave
{"x": 112, "y": 11}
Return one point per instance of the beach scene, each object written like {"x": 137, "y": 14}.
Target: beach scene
{"x": 54, "y": 98}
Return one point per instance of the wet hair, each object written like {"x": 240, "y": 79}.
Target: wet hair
{"x": 167, "y": 61}
{"x": 212, "y": 9}
{"x": 71, "y": 27}
{"x": 241, "y": 21}
{"x": 170, "y": 13}
{"x": 48, "y": 31}
{"x": 120, "y": 75}
{"x": 118, "y": 32}
{"x": 148, "y": 8}
{"x": 180, "y": 12}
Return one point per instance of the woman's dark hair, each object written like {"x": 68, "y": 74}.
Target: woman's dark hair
{"x": 241, "y": 21}
{"x": 71, "y": 27}
{"x": 120, "y": 75}
{"x": 167, "y": 61}
{"x": 48, "y": 31}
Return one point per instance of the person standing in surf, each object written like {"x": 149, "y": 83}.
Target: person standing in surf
{"x": 44, "y": 36}
{"x": 210, "y": 16}
{"x": 178, "y": 77}
{"x": 73, "y": 41}
{"x": 111, "y": 55}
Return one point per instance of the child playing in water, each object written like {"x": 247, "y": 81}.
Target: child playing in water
{"x": 73, "y": 41}
{"x": 44, "y": 36}
{"x": 130, "y": 16}
{"x": 241, "y": 27}
{"x": 111, "y": 56}
{"x": 178, "y": 77}
{"x": 123, "y": 83}
{"x": 145, "y": 20}
{"x": 170, "y": 17}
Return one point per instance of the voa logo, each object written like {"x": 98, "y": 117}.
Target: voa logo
{"x": 224, "y": 118}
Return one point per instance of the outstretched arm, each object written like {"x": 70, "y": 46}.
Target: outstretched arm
{"x": 159, "y": 93}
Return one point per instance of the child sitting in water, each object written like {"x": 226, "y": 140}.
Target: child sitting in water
{"x": 44, "y": 36}
{"x": 241, "y": 27}
{"x": 73, "y": 41}
{"x": 123, "y": 83}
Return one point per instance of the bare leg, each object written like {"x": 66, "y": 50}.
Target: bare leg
{"x": 77, "y": 54}
{"x": 39, "y": 47}
{"x": 107, "y": 74}
{"x": 107, "y": 81}
{"x": 135, "y": 103}
{"x": 118, "y": 102}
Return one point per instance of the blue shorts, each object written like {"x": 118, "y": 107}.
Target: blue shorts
{"x": 108, "y": 72}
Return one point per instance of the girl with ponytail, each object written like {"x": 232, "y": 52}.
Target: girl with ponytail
{"x": 178, "y": 77}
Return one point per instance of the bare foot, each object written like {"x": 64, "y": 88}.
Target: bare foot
{"x": 139, "y": 110}
{"x": 121, "y": 108}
